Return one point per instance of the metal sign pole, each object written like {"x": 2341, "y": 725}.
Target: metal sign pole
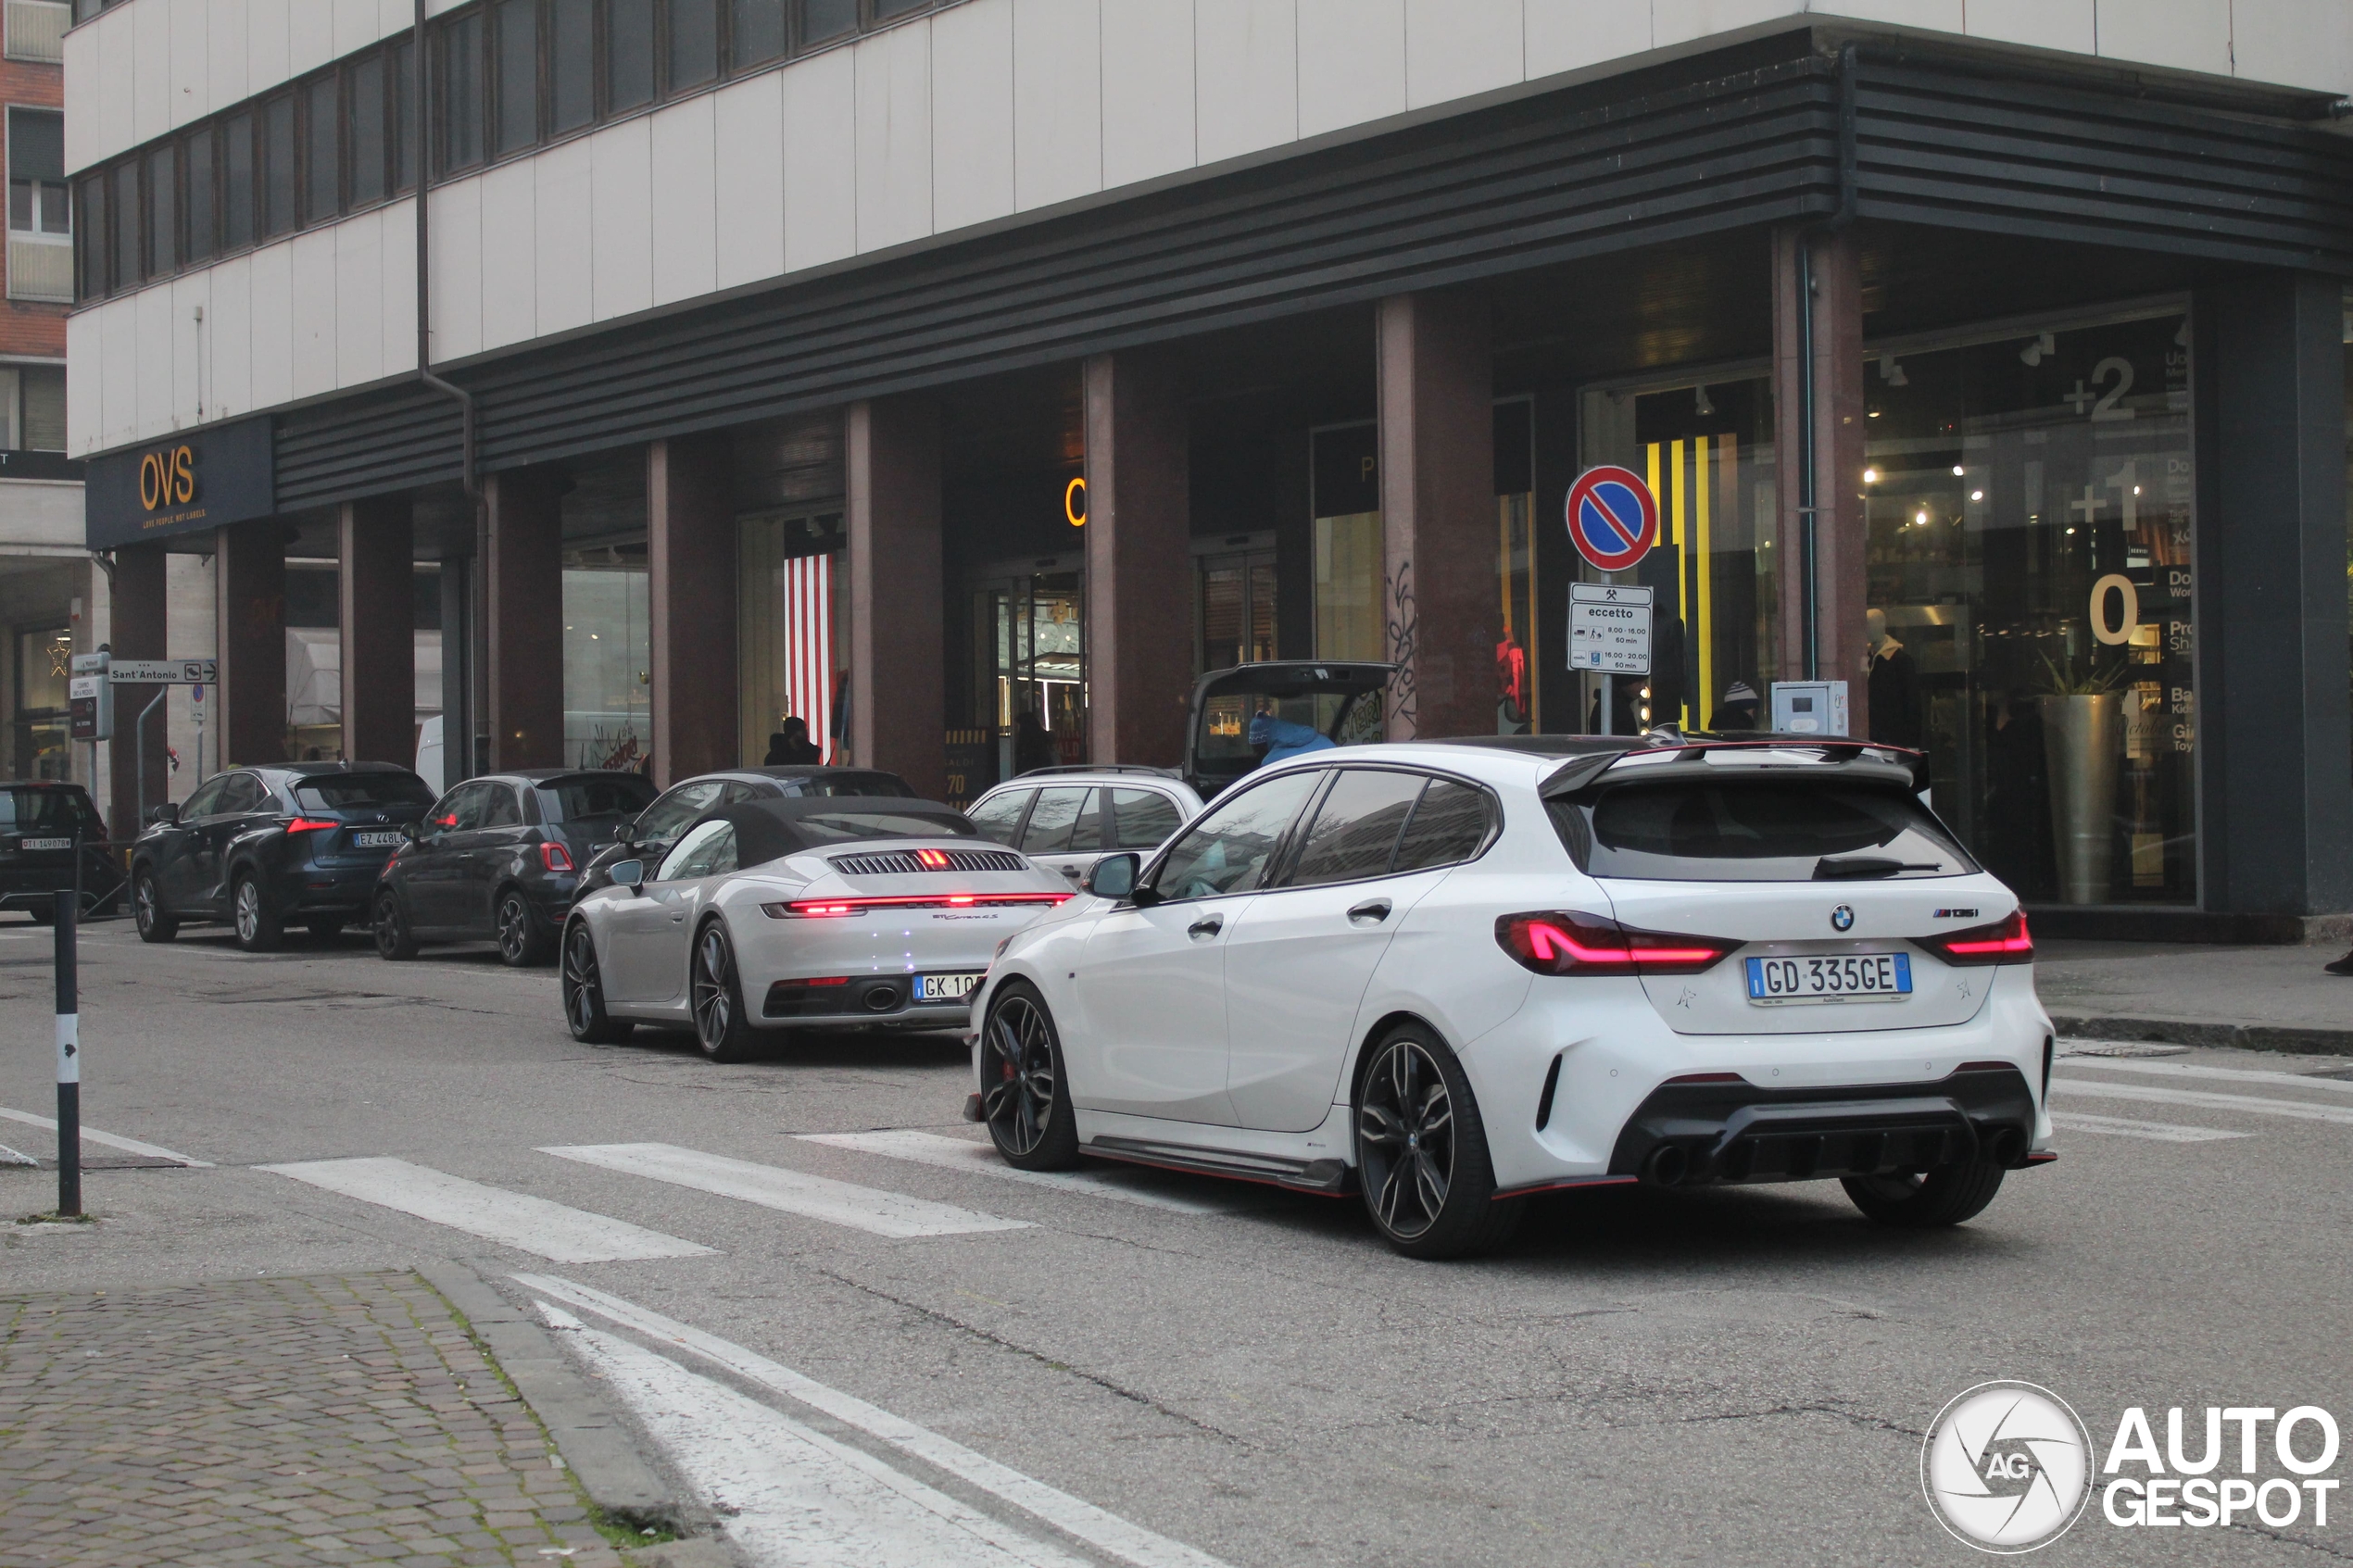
{"x": 62, "y": 919}
{"x": 139, "y": 749}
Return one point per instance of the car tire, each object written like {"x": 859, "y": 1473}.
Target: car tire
{"x": 524, "y": 941}
{"x": 1026, "y": 1103}
{"x": 395, "y": 941}
{"x": 717, "y": 995}
{"x": 1945, "y": 1195}
{"x": 260, "y": 928}
{"x": 583, "y": 992}
{"x": 325, "y": 928}
{"x": 1421, "y": 1151}
{"x": 156, "y": 924}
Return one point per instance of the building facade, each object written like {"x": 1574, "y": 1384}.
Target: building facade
{"x": 963, "y": 378}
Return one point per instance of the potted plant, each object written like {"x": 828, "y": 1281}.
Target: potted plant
{"x": 2083, "y": 742}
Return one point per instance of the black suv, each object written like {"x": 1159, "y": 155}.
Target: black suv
{"x": 40, "y": 824}
{"x": 684, "y": 803}
{"x": 499, "y": 857}
{"x": 261, "y": 846}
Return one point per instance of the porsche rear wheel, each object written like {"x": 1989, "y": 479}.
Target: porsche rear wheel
{"x": 720, "y": 1024}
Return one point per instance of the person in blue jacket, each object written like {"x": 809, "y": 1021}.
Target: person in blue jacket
{"x": 1283, "y": 739}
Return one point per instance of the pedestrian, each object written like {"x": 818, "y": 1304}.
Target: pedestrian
{"x": 1738, "y": 710}
{"x": 791, "y": 747}
{"x": 1283, "y": 739}
{"x": 1033, "y": 748}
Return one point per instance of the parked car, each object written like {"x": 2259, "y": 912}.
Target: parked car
{"x": 780, "y": 912}
{"x": 1067, "y": 819}
{"x": 301, "y": 842}
{"x": 1453, "y": 974}
{"x": 657, "y": 827}
{"x": 41, "y": 822}
{"x": 498, "y": 857}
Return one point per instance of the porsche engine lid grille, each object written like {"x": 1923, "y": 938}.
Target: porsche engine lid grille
{"x": 903, "y": 862}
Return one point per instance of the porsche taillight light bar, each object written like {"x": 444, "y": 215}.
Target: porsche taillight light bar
{"x": 2006, "y": 941}
{"x": 1566, "y": 943}
{"x": 834, "y": 908}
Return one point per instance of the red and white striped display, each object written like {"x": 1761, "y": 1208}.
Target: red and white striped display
{"x": 809, "y": 645}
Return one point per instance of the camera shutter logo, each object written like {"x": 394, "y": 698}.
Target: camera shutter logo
{"x": 2007, "y": 1467}
{"x": 1842, "y": 918}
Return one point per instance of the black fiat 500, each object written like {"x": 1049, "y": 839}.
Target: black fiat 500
{"x": 261, "y": 848}
{"x": 41, "y": 825}
{"x": 498, "y": 857}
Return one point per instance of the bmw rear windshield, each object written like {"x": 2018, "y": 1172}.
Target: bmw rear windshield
{"x": 346, "y": 792}
{"x": 1764, "y": 827}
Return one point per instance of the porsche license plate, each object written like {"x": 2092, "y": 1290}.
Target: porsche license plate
{"x": 1831, "y": 977}
{"x": 374, "y": 840}
{"x": 47, "y": 843}
{"x": 945, "y": 987}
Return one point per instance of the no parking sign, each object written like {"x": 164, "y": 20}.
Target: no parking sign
{"x": 1612, "y": 517}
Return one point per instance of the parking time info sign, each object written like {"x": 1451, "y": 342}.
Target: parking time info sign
{"x": 1609, "y": 628}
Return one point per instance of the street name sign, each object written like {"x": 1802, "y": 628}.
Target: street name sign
{"x": 163, "y": 672}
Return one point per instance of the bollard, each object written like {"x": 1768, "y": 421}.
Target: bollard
{"x": 68, "y": 1059}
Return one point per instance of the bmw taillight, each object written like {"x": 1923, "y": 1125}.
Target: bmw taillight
{"x": 311, "y": 824}
{"x": 1568, "y": 943}
{"x": 555, "y": 857}
{"x": 2006, "y": 941}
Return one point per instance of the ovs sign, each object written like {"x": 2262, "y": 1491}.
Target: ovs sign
{"x": 167, "y": 478}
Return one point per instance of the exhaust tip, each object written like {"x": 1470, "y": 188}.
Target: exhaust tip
{"x": 1666, "y": 1166}
{"x": 2007, "y": 1147}
{"x": 882, "y": 998}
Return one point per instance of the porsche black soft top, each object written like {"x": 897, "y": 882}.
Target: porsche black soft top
{"x": 771, "y": 829}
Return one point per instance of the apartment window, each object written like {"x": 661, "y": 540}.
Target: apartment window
{"x": 33, "y": 400}
{"x": 694, "y": 42}
{"x": 90, "y": 248}
{"x": 517, "y": 30}
{"x": 163, "y": 210}
{"x": 278, "y": 187}
{"x": 571, "y": 64}
{"x": 460, "y": 79}
{"x": 37, "y": 200}
{"x": 404, "y": 116}
{"x": 238, "y": 186}
{"x": 822, "y": 21}
{"x": 204, "y": 225}
{"x": 126, "y": 226}
{"x": 629, "y": 54}
{"x": 364, "y": 127}
{"x": 322, "y": 165}
{"x": 757, "y": 32}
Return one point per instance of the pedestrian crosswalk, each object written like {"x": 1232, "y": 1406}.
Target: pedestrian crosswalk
{"x": 554, "y": 1231}
{"x": 2155, "y": 1132}
{"x": 973, "y": 1158}
{"x": 793, "y": 1192}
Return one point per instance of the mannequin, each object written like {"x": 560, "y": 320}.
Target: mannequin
{"x": 1893, "y": 678}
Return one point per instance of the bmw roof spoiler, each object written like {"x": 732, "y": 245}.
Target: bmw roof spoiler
{"x": 1668, "y": 753}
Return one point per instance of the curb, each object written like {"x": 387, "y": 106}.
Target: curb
{"x": 2183, "y": 1031}
{"x": 595, "y": 1444}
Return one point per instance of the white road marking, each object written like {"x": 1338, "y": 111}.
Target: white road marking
{"x": 2160, "y": 1132}
{"x": 2099, "y": 1089}
{"x": 555, "y": 1231}
{"x": 1080, "y": 1520}
{"x": 982, "y": 1160}
{"x": 91, "y": 1135}
{"x": 16, "y": 1157}
{"x": 2228, "y": 1074}
{"x": 790, "y": 1494}
{"x": 794, "y": 1192}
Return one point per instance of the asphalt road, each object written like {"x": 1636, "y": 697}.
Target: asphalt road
{"x": 1729, "y": 1376}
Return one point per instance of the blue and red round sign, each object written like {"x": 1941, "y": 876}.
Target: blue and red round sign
{"x": 1612, "y": 517}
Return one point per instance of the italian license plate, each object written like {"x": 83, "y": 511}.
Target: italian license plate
{"x": 374, "y": 840}
{"x": 48, "y": 844}
{"x": 945, "y": 987}
{"x": 1831, "y": 977}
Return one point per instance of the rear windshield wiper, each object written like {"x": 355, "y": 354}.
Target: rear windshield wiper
{"x": 1829, "y": 870}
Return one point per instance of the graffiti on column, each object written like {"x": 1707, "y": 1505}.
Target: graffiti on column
{"x": 1404, "y": 634}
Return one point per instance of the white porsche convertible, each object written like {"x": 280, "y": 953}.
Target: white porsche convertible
{"x": 792, "y": 913}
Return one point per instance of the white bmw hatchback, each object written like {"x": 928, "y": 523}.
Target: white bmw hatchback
{"x": 1451, "y": 974}
{"x": 798, "y": 912}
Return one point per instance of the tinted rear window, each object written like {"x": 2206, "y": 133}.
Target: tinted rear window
{"x": 34, "y": 810}
{"x": 341, "y": 792}
{"x": 875, "y": 786}
{"x": 843, "y": 827}
{"x": 1756, "y": 830}
{"x": 617, "y": 794}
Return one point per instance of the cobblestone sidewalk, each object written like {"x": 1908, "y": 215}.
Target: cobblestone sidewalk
{"x": 343, "y": 1419}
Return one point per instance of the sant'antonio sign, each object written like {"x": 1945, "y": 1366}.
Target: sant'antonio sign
{"x": 181, "y": 484}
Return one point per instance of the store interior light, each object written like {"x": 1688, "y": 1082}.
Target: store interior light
{"x": 1870, "y": 476}
{"x": 1977, "y": 494}
{"x": 1957, "y": 470}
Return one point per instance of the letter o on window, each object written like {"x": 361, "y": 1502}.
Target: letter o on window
{"x": 2115, "y": 583}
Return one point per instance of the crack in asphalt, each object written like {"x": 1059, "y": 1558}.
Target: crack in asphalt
{"x": 1869, "y": 1421}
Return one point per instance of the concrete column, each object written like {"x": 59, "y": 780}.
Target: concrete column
{"x": 1822, "y": 618}
{"x": 249, "y": 575}
{"x": 1437, "y": 511}
{"x": 136, "y": 630}
{"x": 1138, "y": 535}
{"x": 690, "y": 552}
{"x": 524, "y": 594}
{"x": 2276, "y": 812}
{"x": 378, "y": 587}
{"x": 898, "y": 645}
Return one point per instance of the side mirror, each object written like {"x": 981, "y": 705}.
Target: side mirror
{"x": 413, "y": 832}
{"x": 1113, "y": 876}
{"x": 165, "y": 814}
{"x": 629, "y": 873}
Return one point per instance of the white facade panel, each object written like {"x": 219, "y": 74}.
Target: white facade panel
{"x": 509, "y": 252}
{"x": 1248, "y": 88}
{"x": 1148, "y": 89}
{"x": 225, "y": 372}
{"x": 310, "y": 34}
{"x": 81, "y": 66}
{"x": 398, "y": 327}
{"x": 1058, "y": 108}
{"x": 455, "y": 235}
{"x": 821, "y": 156}
{"x": 2185, "y": 34}
{"x": 2038, "y": 24}
{"x": 2287, "y": 41}
{"x": 621, "y": 220}
{"x": 117, "y": 84}
{"x": 118, "y": 372}
{"x": 356, "y": 24}
{"x": 360, "y": 299}
{"x": 751, "y": 243}
{"x": 893, "y": 158}
{"x": 84, "y": 353}
{"x": 971, "y": 114}
{"x": 151, "y": 71}
{"x": 1352, "y": 63}
{"x": 1945, "y": 16}
{"x": 564, "y": 238}
{"x": 273, "y": 326}
{"x": 228, "y": 57}
{"x": 685, "y": 201}
{"x": 186, "y": 65}
{"x": 191, "y": 325}
{"x": 1455, "y": 48}
{"x": 311, "y": 279}
{"x": 1682, "y": 22}
{"x": 158, "y": 337}
{"x": 269, "y": 42}
{"x": 1571, "y": 35}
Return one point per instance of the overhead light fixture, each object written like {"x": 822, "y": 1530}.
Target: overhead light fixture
{"x": 1921, "y": 517}
{"x": 1956, "y": 470}
{"x": 1977, "y": 494}
{"x": 1875, "y": 413}
{"x": 1870, "y": 476}
{"x": 2033, "y": 353}
{"x": 1701, "y": 403}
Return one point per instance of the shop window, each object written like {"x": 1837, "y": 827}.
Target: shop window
{"x": 278, "y": 166}
{"x": 571, "y": 64}
{"x": 1031, "y": 666}
{"x": 365, "y": 126}
{"x": 1518, "y": 676}
{"x": 44, "y": 665}
{"x": 1345, "y": 495}
{"x": 204, "y": 211}
{"x": 629, "y": 54}
{"x": 608, "y": 658}
{"x": 238, "y": 186}
{"x": 791, "y": 640}
{"x": 1236, "y": 610}
{"x": 757, "y": 31}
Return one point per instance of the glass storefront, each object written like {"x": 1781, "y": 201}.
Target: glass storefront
{"x": 44, "y": 666}
{"x": 608, "y": 658}
{"x": 792, "y": 640}
{"x": 1235, "y": 610}
{"x": 1031, "y": 664}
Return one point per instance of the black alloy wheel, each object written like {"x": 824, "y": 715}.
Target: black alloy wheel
{"x": 147, "y": 909}
{"x": 1023, "y": 1096}
{"x": 1945, "y": 1195}
{"x": 524, "y": 939}
{"x": 260, "y": 927}
{"x": 1421, "y": 1152}
{"x": 390, "y": 926}
{"x": 584, "y": 990}
{"x": 720, "y": 1023}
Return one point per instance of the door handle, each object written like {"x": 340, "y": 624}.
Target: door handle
{"x": 1376, "y": 911}
{"x": 1208, "y": 925}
